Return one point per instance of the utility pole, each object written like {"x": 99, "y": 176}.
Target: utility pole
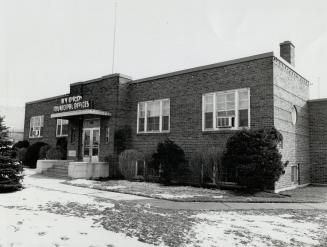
{"x": 114, "y": 39}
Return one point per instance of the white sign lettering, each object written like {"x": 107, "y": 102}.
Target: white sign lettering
{"x": 71, "y": 103}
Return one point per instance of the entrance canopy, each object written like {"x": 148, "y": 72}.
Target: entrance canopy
{"x": 88, "y": 112}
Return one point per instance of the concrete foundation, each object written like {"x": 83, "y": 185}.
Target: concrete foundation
{"x": 88, "y": 170}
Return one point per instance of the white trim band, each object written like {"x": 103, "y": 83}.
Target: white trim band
{"x": 81, "y": 112}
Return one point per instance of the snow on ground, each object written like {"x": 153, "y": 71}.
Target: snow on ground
{"x": 240, "y": 229}
{"x": 171, "y": 196}
{"x": 26, "y": 218}
{"x": 33, "y": 229}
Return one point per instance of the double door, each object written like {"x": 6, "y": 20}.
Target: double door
{"x": 91, "y": 143}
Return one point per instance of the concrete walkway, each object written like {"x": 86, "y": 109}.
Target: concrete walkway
{"x": 216, "y": 206}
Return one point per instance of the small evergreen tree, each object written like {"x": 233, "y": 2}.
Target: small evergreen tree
{"x": 10, "y": 170}
{"x": 255, "y": 157}
{"x": 170, "y": 158}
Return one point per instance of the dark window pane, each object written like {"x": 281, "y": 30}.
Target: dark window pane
{"x": 141, "y": 124}
{"x": 243, "y": 118}
{"x": 165, "y": 123}
{"x": 208, "y": 120}
{"x": 64, "y": 129}
{"x": 153, "y": 124}
{"x": 58, "y": 130}
{"x": 41, "y": 131}
{"x": 95, "y": 151}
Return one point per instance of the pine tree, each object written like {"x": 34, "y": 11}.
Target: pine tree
{"x": 10, "y": 170}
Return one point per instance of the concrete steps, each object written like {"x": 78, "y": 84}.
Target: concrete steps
{"x": 57, "y": 171}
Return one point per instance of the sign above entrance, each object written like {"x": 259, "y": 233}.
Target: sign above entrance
{"x": 72, "y": 103}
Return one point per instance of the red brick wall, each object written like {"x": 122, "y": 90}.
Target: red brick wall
{"x": 318, "y": 140}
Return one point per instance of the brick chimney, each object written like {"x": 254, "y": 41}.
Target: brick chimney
{"x": 287, "y": 52}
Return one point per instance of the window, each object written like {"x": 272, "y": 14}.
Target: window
{"x": 153, "y": 116}
{"x": 226, "y": 110}
{"x": 294, "y": 174}
{"x": 36, "y": 126}
{"x": 62, "y": 127}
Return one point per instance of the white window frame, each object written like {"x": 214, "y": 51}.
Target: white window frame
{"x": 38, "y": 127}
{"x": 236, "y": 93}
{"x": 146, "y": 116}
{"x": 60, "y": 135}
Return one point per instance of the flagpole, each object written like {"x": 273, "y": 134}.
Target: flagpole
{"x": 114, "y": 40}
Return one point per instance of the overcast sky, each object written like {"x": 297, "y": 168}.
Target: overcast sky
{"x": 47, "y": 44}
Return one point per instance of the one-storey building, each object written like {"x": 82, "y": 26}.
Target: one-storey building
{"x": 197, "y": 108}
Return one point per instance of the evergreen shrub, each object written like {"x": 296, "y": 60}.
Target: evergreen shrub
{"x": 255, "y": 157}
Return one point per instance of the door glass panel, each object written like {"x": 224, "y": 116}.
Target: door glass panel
{"x": 87, "y": 138}
{"x": 95, "y": 142}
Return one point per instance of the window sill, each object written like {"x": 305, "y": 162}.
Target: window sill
{"x": 153, "y": 133}
{"x": 223, "y": 130}
{"x": 61, "y": 135}
{"x": 35, "y": 137}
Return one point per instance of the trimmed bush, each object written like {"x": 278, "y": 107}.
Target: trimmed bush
{"x": 18, "y": 146}
{"x": 127, "y": 163}
{"x": 43, "y": 152}
{"x": 32, "y": 154}
{"x": 54, "y": 154}
{"x": 255, "y": 157}
{"x": 122, "y": 139}
{"x": 21, "y": 144}
{"x": 171, "y": 161}
{"x": 20, "y": 154}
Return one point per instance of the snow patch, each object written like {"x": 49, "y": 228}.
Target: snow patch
{"x": 218, "y": 227}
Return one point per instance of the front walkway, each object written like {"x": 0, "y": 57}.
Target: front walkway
{"x": 49, "y": 213}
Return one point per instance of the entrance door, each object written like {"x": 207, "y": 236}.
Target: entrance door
{"x": 91, "y": 141}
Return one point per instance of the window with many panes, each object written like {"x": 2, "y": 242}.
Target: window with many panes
{"x": 226, "y": 109}
{"x": 62, "y": 127}
{"x": 153, "y": 116}
{"x": 36, "y": 126}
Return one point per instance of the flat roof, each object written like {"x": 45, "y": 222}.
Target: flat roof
{"x": 209, "y": 66}
{"x": 47, "y": 99}
{"x": 102, "y": 78}
{"x": 195, "y": 69}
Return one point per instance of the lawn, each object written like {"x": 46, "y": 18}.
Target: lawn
{"x": 189, "y": 194}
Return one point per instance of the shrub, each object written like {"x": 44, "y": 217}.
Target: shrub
{"x": 54, "y": 154}
{"x": 255, "y": 157}
{"x": 127, "y": 163}
{"x": 122, "y": 139}
{"x": 21, "y": 144}
{"x": 43, "y": 152}
{"x": 17, "y": 146}
{"x": 206, "y": 166}
{"x": 171, "y": 160}
{"x": 32, "y": 154}
{"x": 20, "y": 154}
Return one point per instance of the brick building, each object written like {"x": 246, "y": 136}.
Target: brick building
{"x": 197, "y": 108}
